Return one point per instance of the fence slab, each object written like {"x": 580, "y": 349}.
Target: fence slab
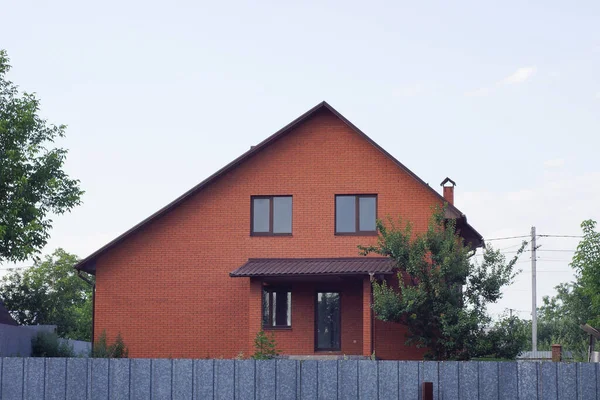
{"x": 140, "y": 385}
{"x": 12, "y": 378}
{"x": 431, "y": 374}
{"x": 549, "y": 387}
{"x": 408, "y": 373}
{"x": 56, "y": 385}
{"x": 119, "y": 379}
{"x": 265, "y": 379}
{"x": 327, "y": 380}
{"x": 528, "y": 380}
{"x": 182, "y": 379}
{"x": 244, "y": 380}
{"x": 388, "y": 380}
{"x": 468, "y": 380}
{"x": 224, "y": 380}
{"x": 348, "y": 379}
{"x": 488, "y": 380}
{"x": 567, "y": 381}
{"x": 448, "y": 380}
{"x": 161, "y": 378}
{"x": 203, "y": 379}
{"x": 587, "y": 381}
{"x": 35, "y": 370}
{"x": 77, "y": 378}
{"x": 508, "y": 385}
{"x": 308, "y": 380}
{"x": 286, "y": 379}
{"x": 367, "y": 379}
{"x": 99, "y": 383}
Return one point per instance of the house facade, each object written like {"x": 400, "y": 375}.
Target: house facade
{"x": 268, "y": 242}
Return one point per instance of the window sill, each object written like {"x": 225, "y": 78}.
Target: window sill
{"x": 277, "y": 328}
{"x": 374, "y": 233}
{"x": 270, "y": 234}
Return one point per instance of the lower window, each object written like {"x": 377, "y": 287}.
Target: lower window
{"x": 277, "y": 308}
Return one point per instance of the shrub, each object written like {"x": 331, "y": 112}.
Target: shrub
{"x": 265, "y": 346}
{"x": 102, "y": 349}
{"x": 47, "y": 344}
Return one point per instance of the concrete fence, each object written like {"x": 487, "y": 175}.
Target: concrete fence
{"x": 80, "y": 378}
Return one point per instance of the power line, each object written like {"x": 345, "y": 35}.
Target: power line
{"x": 508, "y": 237}
{"x": 562, "y": 236}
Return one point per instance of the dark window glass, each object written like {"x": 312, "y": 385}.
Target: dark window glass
{"x": 277, "y": 308}
{"x": 328, "y": 321}
{"x": 356, "y": 214}
{"x": 271, "y": 215}
{"x": 282, "y": 215}
{"x": 345, "y": 214}
{"x": 366, "y": 213}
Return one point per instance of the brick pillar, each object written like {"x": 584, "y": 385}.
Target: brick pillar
{"x": 254, "y": 312}
{"x": 367, "y": 314}
{"x": 556, "y": 353}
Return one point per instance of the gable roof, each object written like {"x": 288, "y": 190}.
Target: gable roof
{"x": 5, "y": 317}
{"x": 88, "y": 264}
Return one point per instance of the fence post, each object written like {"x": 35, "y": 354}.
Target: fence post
{"x": 427, "y": 391}
{"x": 556, "y": 353}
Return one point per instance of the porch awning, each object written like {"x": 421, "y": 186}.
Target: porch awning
{"x": 256, "y": 267}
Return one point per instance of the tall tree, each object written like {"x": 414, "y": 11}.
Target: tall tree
{"x": 441, "y": 295}
{"x": 33, "y": 184}
{"x": 50, "y": 293}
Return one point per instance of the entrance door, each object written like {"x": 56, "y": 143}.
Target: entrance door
{"x": 327, "y": 321}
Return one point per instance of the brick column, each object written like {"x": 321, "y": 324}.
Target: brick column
{"x": 254, "y": 312}
{"x": 556, "y": 353}
{"x": 367, "y": 315}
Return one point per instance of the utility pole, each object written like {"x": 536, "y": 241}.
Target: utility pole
{"x": 533, "y": 293}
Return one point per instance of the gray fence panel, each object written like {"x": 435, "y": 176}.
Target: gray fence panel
{"x": 244, "y": 380}
{"x": 488, "y": 380}
{"x": 449, "y": 380}
{"x": 118, "y": 382}
{"x": 598, "y": 381}
{"x": 77, "y": 378}
{"x": 12, "y": 378}
{"x": 286, "y": 379}
{"x": 468, "y": 380}
{"x": 34, "y": 376}
{"x": 548, "y": 373}
{"x": 388, "y": 380}
{"x": 161, "y": 379}
{"x": 182, "y": 379}
{"x": 56, "y": 373}
{"x": 348, "y": 380}
{"x": 508, "y": 384}
{"x": 528, "y": 380}
{"x": 567, "y": 381}
{"x": 587, "y": 381}
{"x": 308, "y": 379}
{"x": 99, "y": 386}
{"x": 203, "y": 379}
{"x": 224, "y": 379}
{"x": 327, "y": 380}
{"x": 140, "y": 385}
{"x": 367, "y": 379}
{"x": 431, "y": 374}
{"x": 408, "y": 372}
{"x": 265, "y": 379}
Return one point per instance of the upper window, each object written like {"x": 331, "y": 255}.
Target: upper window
{"x": 277, "y": 308}
{"x": 271, "y": 215}
{"x": 355, "y": 214}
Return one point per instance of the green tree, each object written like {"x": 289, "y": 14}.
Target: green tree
{"x": 586, "y": 263}
{"x": 50, "y": 293}
{"x": 441, "y": 295}
{"x": 506, "y": 338}
{"x": 265, "y": 346}
{"x": 33, "y": 184}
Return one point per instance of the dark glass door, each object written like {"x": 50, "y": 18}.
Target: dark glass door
{"x": 327, "y": 321}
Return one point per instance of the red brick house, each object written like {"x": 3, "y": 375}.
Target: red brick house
{"x": 269, "y": 241}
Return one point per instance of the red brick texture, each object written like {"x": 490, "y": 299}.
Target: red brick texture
{"x": 166, "y": 287}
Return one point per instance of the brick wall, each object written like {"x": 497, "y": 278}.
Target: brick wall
{"x": 166, "y": 288}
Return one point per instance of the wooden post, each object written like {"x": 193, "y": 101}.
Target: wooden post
{"x": 427, "y": 391}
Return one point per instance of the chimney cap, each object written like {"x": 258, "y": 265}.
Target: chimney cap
{"x": 446, "y": 181}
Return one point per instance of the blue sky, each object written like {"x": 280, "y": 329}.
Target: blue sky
{"x": 504, "y": 98}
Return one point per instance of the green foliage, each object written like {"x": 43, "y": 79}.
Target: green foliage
{"x": 441, "y": 295}
{"x": 586, "y": 262}
{"x": 33, "y": 185}
{"x": 50, "y": 293}
{"x": 505, "y": 339}
{"x": 47, "y": 344}
{"x": 102, "y": 349}
{"x": 265, "y": 346}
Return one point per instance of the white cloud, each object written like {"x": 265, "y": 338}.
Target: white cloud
{"x": 554, "y": 163}
{"x": 478, "y": 92}
{"x": 519, "y": 76}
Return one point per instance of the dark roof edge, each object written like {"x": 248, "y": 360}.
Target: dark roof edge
{"x": 257, "y": 275}
{"x": 255, "y": 149}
